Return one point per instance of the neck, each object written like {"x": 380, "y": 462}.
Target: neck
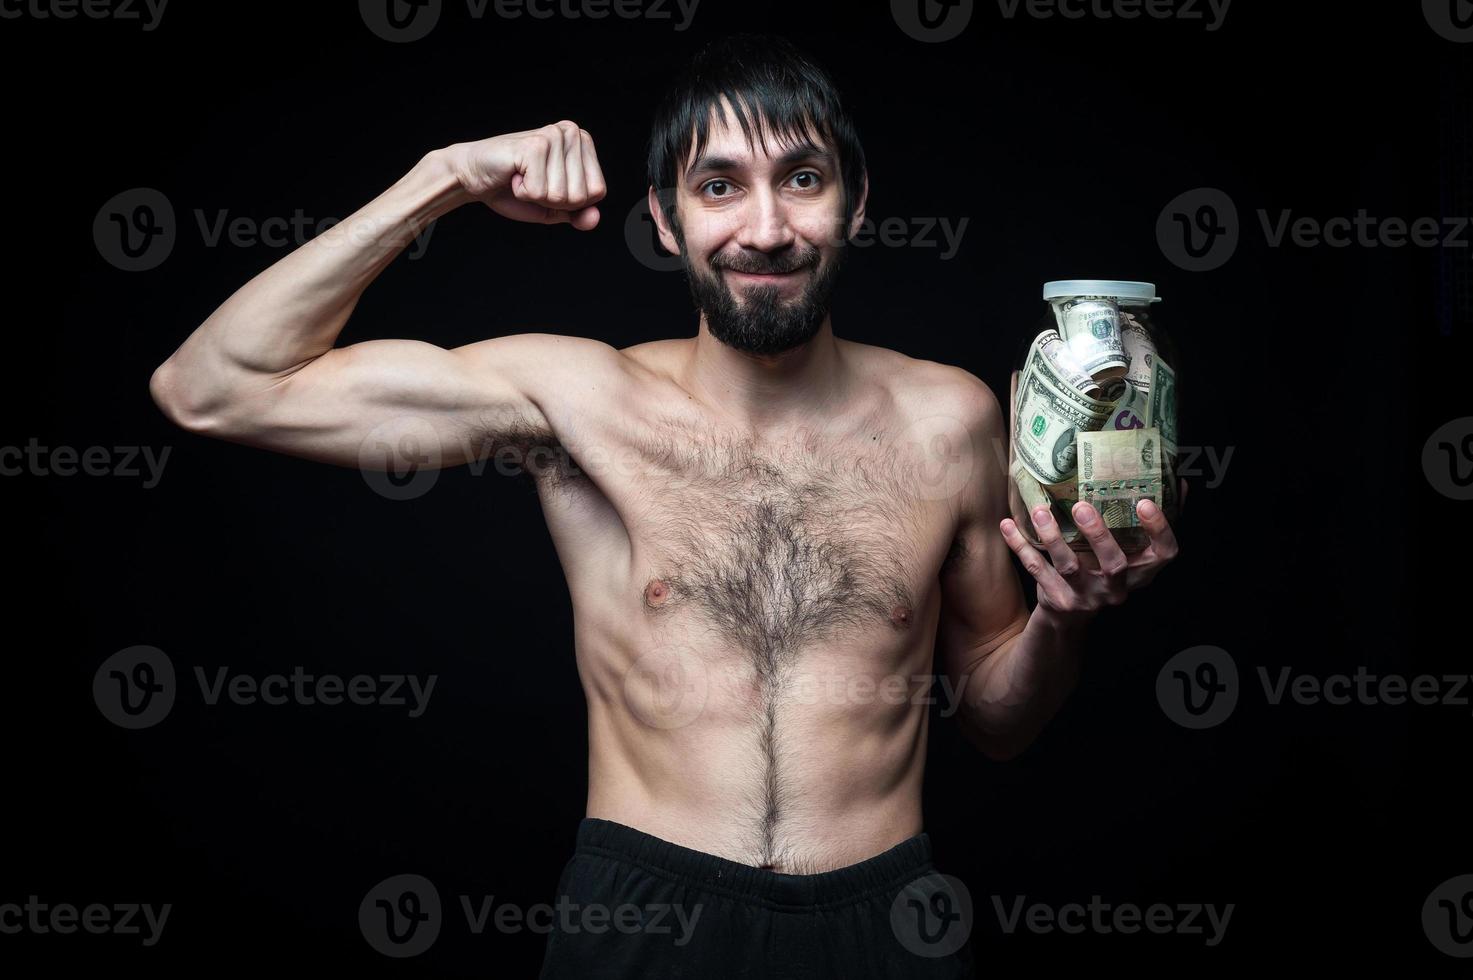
{"x": 767, "y": 391}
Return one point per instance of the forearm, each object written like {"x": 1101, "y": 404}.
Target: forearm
{"x": 1012, "y": 691}
{"x": 293, "y": 311}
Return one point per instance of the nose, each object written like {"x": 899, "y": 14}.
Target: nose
{"x": 765, "y": 226}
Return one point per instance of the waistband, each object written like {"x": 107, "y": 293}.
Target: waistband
{"x": 889, "y": 870}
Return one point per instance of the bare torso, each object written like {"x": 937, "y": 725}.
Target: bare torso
{"x": 755, "y": 614}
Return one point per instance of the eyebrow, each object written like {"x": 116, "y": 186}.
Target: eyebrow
{"x": 803, "y": 152}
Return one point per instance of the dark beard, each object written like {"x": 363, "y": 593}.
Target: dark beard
{"x": 765, "y": 323}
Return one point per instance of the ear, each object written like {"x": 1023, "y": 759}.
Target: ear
{"x": 658, "y": 202}
{"x": 858, "y": 218}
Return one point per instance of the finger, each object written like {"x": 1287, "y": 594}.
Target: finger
{"x": 1158, "y": 529}
{"x": 586, "y": 219}
{"x": 1112, "y": 560}
{"x": 1043, "y": 573}
{"x": 573, "y": 163}
{"x": 592, "y": 172}
{"x": 1066, "y": 562}
{"x": 557, "y": 175}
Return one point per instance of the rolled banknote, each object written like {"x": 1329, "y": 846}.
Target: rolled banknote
{"x": 1090, "y": 326}
{"x": 1129, "y": 410}
{"x": 1161, "y": 405}
{"x": 1032, "y": 492}
{"x": 1140, "y": 350}
{"x": 1050, "y": 412}
{"x": 1064, "y": 496}
{"x": 1116, "y": 471}
{"x": 1058, "y": 498}
{"x": 1065, "y": 365}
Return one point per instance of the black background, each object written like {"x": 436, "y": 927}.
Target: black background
{"x": 1323, "y": 548}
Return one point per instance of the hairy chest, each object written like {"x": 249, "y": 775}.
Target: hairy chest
{"x": 779, "y": 547}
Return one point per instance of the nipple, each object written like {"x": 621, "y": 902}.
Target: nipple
{"x": 656, "y": 592}
{"x": 900, "y": 617}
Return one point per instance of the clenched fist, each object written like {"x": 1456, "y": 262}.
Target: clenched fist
{"x": 545, "y": 176}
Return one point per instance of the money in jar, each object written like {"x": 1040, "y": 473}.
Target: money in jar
{"x": 1082, "y": 433}
{"x": 1089, "y": 324}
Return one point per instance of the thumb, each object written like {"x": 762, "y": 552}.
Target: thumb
{"x": 585, "y": 219}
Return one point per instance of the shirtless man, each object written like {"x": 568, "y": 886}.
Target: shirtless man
{"x": 767, "y": 531}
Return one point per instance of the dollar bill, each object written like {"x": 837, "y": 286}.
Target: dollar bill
{"x": 1161, "y": 405}
{"x": 1050, "y": 413}
{"x": 1064, "y": 496}
{"x": 1129, "y": 410}
{"x": 1140, "y": 351}
{"x": 1062, "y": 360}
{"x": 1057, "y": 497}
{"x": 1090, "y": 326}
{"x": 1116, "y": 471}
{"x": 1032, "y": 492}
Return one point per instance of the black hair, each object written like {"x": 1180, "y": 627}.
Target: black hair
{"x": 767, "y": 79}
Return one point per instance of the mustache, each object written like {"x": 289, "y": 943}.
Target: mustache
{"x": 764, "y": 268}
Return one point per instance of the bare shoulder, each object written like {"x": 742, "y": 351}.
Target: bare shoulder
{"x": 920, "y": 388}
{"x": 657, "y": 356}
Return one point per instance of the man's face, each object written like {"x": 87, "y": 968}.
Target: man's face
{"x": 761, "y": 241}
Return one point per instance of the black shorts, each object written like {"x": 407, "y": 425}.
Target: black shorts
{"x": 632, "y": 905}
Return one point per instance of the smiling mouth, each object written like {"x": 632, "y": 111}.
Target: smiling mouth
{"x": 760, "y": 276}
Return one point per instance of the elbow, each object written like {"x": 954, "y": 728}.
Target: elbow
{"x": 178, "y": 403}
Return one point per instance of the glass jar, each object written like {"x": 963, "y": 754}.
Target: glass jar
{"x": 1092, "y": 411}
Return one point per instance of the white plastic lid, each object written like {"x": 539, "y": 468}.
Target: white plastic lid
{"x": 1137, "y": 292}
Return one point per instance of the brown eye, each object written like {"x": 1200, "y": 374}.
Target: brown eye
{"x": 813, "y": 179}
{"x": 717, "y": 183}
